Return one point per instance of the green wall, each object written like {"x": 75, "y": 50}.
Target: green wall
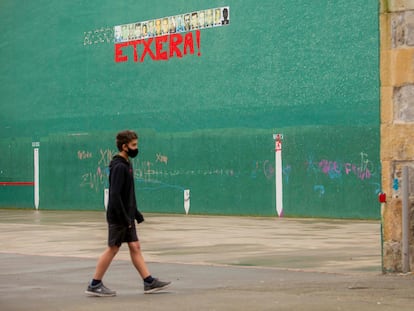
{"x": 307, "y": 69}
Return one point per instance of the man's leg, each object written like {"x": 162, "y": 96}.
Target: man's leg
{"x": 104, "y": 261}
{"x": 138, "y": 259}
{"x": 150, "y": 284}
{"x": 96, "y": 287}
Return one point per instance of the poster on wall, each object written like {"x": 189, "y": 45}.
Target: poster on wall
{"x": 167, "y": 35}
{"x": 196, "y": 20}
{"x": 160, "y": 38}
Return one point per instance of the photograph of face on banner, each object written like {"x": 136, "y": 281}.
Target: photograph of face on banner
{"x": 209, "y": 18}
{"x": 225, "y": 16}
{"x": 144, "y": 30}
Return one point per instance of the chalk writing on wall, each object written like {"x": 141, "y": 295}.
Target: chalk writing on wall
{"x": 100, "y": 35}
{"x": 97, "y": 178}
{"x": 161, "y": 158}
{"x": 83, "y": 155}
{"x": 156, "y": 173}
{"x": 144, "y": 171}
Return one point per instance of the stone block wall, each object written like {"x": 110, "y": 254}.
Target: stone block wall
{"x": 397, "y": 124}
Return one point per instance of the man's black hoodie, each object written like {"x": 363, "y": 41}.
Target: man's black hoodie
{"x": 122, "y": 205}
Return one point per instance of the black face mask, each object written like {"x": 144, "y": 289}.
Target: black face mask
{"x": 132, "y": 153}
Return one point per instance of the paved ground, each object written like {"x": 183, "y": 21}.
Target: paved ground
{"x": 215, "y": 263}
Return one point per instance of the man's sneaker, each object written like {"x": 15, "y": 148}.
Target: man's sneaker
{"x": 100, "y": 290}
{"x": 155, "y": 286}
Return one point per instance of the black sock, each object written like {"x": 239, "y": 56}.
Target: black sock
{"x": 95, "y": 282}
{"x": 149, "y": 279}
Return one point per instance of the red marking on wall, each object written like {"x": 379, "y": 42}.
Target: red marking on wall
{"x": 159, "y": 48}
{"x": 198, "y": 42}
{"x": 16, "y": 183}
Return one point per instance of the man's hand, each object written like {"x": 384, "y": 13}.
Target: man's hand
{"x": 138, "y": 217}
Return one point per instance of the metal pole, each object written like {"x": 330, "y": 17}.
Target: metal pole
{"x": 276, "y": 187}
{"x": 187, "y": 201}
{"x": 405, "y": 222}
{"x": 36, "y": 177}
{"x": 278, "y": 173}
{"x": 106, "y": 198}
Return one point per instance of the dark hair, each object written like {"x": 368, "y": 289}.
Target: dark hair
{"x": 125, "y": 137}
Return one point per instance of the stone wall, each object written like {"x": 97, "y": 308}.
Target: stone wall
{"x": 397, "y": 124}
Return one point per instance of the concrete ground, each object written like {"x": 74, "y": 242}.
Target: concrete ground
{"x": 215, "y": 263}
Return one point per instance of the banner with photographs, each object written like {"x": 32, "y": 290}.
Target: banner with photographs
{"x": 173, "y": 24}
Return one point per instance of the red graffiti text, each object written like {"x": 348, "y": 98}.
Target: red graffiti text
{"x": 159, "y": 48}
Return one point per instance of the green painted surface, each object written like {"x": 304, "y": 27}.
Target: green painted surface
{"x": 307, "y": 69}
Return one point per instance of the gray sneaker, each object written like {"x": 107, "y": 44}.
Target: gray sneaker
{"x": 155, "y": 286}
{"x": 100, "y": 290}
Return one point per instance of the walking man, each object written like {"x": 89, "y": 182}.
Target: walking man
{"x": 121, "y": 215}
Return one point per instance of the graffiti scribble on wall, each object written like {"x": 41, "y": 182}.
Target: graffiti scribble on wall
{"x": 334, "y": 169}
{"x": 83, "y": 155}
{"x": 97, "y": 178}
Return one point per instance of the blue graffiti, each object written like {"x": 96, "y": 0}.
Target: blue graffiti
{"x": 158, "y": 185}
{"x": 320, "y": 189}
{"x": 286, "y": 172}
{"x": 395, "y": 184}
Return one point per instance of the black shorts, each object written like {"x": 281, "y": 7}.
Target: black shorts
{"x": 117, "y": 234}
